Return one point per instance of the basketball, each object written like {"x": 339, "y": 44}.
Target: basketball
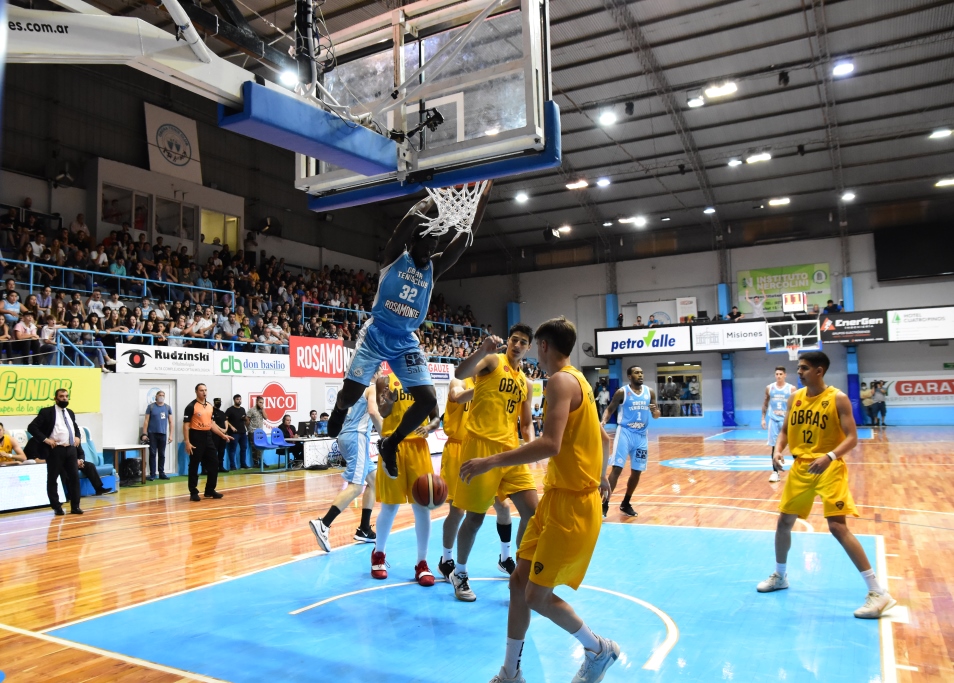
{"x": 430, "y": 491}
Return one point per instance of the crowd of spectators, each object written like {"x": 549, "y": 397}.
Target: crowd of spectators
{"x": 138, "y": 292}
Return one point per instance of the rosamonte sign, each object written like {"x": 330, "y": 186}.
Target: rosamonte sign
{"x": 26, "y": 389}
{"x": 319, "y": 357}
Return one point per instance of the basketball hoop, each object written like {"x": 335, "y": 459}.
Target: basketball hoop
{"x": 456, "y": 208}
{"x": 793, "y": 345}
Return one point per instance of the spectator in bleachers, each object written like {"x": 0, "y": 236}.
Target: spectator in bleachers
{"x": 832, "y": 307}
{"x": 32, "y": 306}
{"x": 27, "y": 340}
{"x": 6, "y": 339}
{"x": 10, "y": 308}
{"x": 735, "y": 315}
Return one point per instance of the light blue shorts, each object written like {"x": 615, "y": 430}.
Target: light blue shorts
{"x": 355, "y": 448}
{"x": 402, "y": 352}
{"x": 630, "y": 443}
{"x": 774, "y": 427}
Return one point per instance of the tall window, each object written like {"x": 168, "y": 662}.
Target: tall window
{"x": 117, "y": 205}
{"x": 221, "y": 227}
{"x": 679, "y": 389}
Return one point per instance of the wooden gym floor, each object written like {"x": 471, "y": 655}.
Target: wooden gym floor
{"x": 144, "y": 544}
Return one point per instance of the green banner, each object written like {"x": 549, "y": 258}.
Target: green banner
{"x": 763, "y": 288}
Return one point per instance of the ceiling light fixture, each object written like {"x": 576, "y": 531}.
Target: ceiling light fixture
{"x": 940, "y": 133}
{"x": 492, "y": 131}
{"x": 722, "y": 90}
{"x": 607, "y": 118}
{"x": 608, "y": 224}
{"x": 640, "y": 221}
{"x": 564, "y": 228}
{"x": 522, "y": 197}
{"x": 735, "y": 162}
{"x": 289, "y": 78}
{"x": 780, "y": 201}
{"x": 944, "y": 182}
{"x": 695, "y": 99}
{"x": 708, "y": 210}
{"x": 578, "y": 185}
{"x": 843, "y": 68}
{"x": 603, "y": 182}
{"x": 848, "y": 196}
{"x": 757, "y": 157}
{"x": 664, "y": 219}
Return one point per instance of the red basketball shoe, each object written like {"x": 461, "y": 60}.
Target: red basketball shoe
{"x": 423, "y": 574}
{"x": 379, "y": 568}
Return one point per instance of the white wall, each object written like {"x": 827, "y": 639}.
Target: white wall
{"x": 66, "y": 201}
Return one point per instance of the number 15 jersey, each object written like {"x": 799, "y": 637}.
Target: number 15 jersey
{"x": 495, "y": 409}
{"x": 404, "y": 294}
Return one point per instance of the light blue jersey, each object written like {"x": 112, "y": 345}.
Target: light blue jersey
{"x": 354, "y": 443}
{"x": 404, "y": 294}
{"x": 778, "y": 406}
{"x": 634, "y": 411}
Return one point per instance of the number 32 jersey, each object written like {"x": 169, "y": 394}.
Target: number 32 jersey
{"x": 498, "y": 397}
{"x": 404, "y": 294}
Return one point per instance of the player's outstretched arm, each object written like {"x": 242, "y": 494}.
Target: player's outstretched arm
{"x": 560, "y": 391}
{"x": 446, "y": 259}
{"x": 526, "y": 420}
{"x": 434, "y": 421}
{"x": 482, "y": 361}
{"x": 458, "y": 393}
{"x": 404, "y": 230}
{"x": 613, "y": 406}
{"x": 765, "y": 405}
{"x": 782, "y": 442}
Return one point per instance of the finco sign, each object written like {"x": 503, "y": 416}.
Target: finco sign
{"x": 282, "y": 397}
{"x": 642, "y": 341}
{"x": 319, "y": 357}
{"x": 163, "y": 360}
{"x": 729, "y": 336}
{"x": 234, "y": 363}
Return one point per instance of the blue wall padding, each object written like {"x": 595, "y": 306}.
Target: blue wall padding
{"x": 549, "y": 158}
{"x": 290, "y": 123}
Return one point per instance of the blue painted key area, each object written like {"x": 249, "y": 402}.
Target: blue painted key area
{"x": 703, "y": 580}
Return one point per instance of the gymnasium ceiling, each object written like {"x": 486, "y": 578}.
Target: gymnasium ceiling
{"x": 866, "y": 133}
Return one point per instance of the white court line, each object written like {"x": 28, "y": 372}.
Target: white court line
{"x": 652, "y": 664}
{"x": 808, "y": 527}
{"x": 888, "y": 662}
{"x": 111, "y": 655}
{"x": 905, "y": 667}
{"x": 891, "y": 555}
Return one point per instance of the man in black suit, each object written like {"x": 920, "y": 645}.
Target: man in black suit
{"x": 59, "y": 438}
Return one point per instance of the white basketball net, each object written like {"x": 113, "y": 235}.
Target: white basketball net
{"x": 794, "y": 345}
{"x": 456, "y": 208}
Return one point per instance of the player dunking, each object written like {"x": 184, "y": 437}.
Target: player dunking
{"x": 459, "y": 395}
{"x": 501, "y": 398}
{"x": 635, "y": 402}
{"x": 776, "y": 405}
{"x": 400, "y": 306}
{"x": 820, "y": 432}
{"x": 354, "y": 442}
{"x": 413, "y": 460}
{"x": 560, "y": 538}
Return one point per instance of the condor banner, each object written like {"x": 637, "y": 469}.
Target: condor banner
{"x": 163, "y": 360}
{"x": 283, "y": 396}
{"x": 238, "y": 364}
{"x": 853, "y": 328}
{"x": 631, "y": 341}
{"x": 25, "y": 389}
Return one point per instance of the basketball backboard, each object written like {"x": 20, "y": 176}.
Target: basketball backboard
{"x": 784, "y": 335}
{"x": 494, "y": 97}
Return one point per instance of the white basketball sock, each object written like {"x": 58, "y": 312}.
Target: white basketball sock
{"x": 504, "y": 550}
{"x": 588, "y": 639}
{"x": 447, "y": 554}
{"x": 872, "y": 582}
{"x": 460, "y": 568}
{"x": 512, "y": 659}
{"x": 781, "y": 569}
{"x": 384, "y": 522}
{"x": 422, "y": 527}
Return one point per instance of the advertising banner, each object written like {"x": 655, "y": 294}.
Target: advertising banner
{"x": 173, "y": 144}
{"x": 729, "y": 336}
{"x": 283, "y": 396}
{"x": 441, "y": 372}
{"x": 919, "y": 324}
{"x": 319, "y": 357}
{"x": 163, "y": 360}
{"x": 24, "y": 389}
{"x": 628, "y": 341}
{"x": 853, "y": 328}
{"x": 916, "y": 388}
{"x": 760, "y": 291}
{"x": 239, "y": 364}
{"x": 686, "y": 308}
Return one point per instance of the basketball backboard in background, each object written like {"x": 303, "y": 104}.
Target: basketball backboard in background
{"x": 784, "y": 334}
{"x": 494, "y": 97}
{"x": 794, "y": 302}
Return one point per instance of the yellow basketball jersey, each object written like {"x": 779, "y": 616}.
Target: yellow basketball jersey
{"x": 814, "y": 428}
{"x": 401, "y": 404}
{"x": 6, "y": 449}
{"x": 496, "y": 405}
{"x": 577, "y": 466}
{"x": 457, "y": 414}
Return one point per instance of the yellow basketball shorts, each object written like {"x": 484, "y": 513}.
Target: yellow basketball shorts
{"x": 450, "y": 467}
{"x": 801, "y": 487}
{"x": 503, "y": 482}
{"x": 561, "y": 536}
{"x": 413, "y": 460}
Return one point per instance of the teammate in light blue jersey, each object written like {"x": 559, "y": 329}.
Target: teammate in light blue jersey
{"x": 775, "y": 407}
{"x": 635, "y": 403}
{"x": 400, "y": 307}
{"x": 354, "y": 443}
